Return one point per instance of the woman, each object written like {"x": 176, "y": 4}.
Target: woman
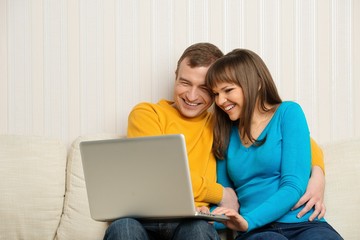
{"x": 264, "y": 145}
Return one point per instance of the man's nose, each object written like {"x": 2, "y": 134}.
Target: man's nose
{"x": 192, "y": 94}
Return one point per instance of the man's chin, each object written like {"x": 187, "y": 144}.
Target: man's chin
{"x": 191, "y": 113}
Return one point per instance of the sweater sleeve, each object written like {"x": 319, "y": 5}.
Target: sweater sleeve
{"x": 225, "y": 181}
{"x": 143, "y": 120}
{"x": 317, "y": 155}
{"x": 222, "y": 174}
{"x": 205, "y": 191}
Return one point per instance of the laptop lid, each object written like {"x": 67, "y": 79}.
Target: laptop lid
{"x": 144, "y": 177}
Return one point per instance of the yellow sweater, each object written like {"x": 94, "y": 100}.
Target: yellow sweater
{"x": 148, "y": 119}
{"x": 317, "y": 156}
{"x": 162, "y": 118}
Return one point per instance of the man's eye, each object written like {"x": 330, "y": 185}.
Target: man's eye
{"x": 205, "y": 89}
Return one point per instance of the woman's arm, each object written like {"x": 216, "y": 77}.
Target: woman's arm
{"x": 229, "y": 199}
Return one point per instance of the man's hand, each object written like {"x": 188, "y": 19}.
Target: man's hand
{"x": 202, "y": 209}
{"x": 314, "y": 195}
{"x": 229, "y": 199}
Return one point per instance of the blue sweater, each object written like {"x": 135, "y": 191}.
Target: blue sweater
{"x": 269, "y": 179}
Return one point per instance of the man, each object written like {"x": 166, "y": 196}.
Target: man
{"x": 188, "y": 114}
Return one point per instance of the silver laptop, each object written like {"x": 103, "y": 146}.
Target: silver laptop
{"x": 144, "y": 177}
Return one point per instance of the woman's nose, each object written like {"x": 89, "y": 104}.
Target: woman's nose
{"x": 220, "y": 100}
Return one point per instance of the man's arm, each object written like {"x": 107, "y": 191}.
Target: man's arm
{"x": 314, "y": 195}
{"x": 143, "y": 121}
{"x": 317, "y": 154}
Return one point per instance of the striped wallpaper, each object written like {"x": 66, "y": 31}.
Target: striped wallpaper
{"x": 77, "y": 67}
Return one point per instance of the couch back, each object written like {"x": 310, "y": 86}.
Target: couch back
{"x": 342, "y": 192}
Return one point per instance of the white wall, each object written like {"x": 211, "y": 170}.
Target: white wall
{"x": 77, "y": 67}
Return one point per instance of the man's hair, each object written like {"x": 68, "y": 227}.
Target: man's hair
{"x": 200, "y": 55}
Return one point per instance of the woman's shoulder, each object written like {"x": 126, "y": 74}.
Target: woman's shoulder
{"x": 289, "y": 105}
{"x": 290, "y": 108}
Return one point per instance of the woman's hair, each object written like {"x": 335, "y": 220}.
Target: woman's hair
{"x": 200, "y": 55}
{"x": 248, "y": 71}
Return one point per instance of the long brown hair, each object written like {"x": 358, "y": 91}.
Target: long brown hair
{"x": 247, "y": 70}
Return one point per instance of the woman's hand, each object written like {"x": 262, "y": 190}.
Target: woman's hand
{"x": 314, "y": 195}
{"x": 236, "y": 221}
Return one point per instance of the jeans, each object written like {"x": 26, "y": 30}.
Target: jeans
{"x": 315, "y": 230}
{"x": 129, "y": 228}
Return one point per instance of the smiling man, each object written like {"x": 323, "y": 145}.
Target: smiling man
{"x": 186, "y": 114}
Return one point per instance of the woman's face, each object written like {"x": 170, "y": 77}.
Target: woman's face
{"x": 230, "y": 98}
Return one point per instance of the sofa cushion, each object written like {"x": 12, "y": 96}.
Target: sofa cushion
{"x": 342, "y": 195}
{"x": 76, "y": 222}
{"x": 32, "y": 186}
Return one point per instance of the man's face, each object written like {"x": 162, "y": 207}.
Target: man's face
{"x": 191, "y": 96}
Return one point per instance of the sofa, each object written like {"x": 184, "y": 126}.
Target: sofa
{"x": 43, "y": 194}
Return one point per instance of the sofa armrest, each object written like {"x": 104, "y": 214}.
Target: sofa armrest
{"x": 342, "y": 195}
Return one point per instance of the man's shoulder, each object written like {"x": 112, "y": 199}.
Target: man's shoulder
{"x": 149, "y": 105}
{"x": 144, "y": 105}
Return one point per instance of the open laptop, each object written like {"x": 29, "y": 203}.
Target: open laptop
{"x": 144, "y": 177}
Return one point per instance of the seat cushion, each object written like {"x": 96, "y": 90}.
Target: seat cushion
{"x": 32, "y": 186}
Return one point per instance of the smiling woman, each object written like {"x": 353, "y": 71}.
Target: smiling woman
{"x": 264, "y": 152}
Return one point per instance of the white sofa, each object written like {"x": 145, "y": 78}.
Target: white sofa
{"x": 43, "y": 195}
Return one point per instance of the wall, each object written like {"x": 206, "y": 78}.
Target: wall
{"x": 77, "y": 67}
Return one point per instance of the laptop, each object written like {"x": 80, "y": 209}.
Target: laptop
{"x": 143, "y": 177}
